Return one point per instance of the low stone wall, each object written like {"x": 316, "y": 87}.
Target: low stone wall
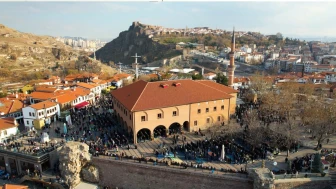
{"x": 127, "y": 175}
{"x": 300, "y": 183}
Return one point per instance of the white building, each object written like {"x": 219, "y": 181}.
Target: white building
{"x": 94, "y": 88}
{"x": 8, "y": 128}
{"x": 209, "y": 76}
{"x": 45, "y": 111}
{"x": 246, "y": 49}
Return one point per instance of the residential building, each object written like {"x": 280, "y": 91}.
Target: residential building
{"x": 239, "y": 82}
{"x": 193, "y": 104}
{"x": 8, "y": 128}
{"x": 94, "y": 89}
{"x": 37, "y": 115}
{"x": 209, "y": 76}
{"x": 12, "y": 107}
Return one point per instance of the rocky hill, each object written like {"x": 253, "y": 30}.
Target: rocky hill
{"x": 23, "y": 50}
{"x": 24, "y": 53}
{"x": 135, "y": 40}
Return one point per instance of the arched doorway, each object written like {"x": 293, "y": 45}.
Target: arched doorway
{"x": 160, "y": 131}
{"x": 143, "y": 135}
{"x": 186, "y": 126}
{"x": 174, "y": 128}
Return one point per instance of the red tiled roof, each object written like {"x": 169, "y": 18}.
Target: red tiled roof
{"x": 6, "y": 123}
{"x": 143, "y": 95}
{"x": 10, "y": 105}
{"x": 87, "y": 85}
{"x": 44, "y": 104}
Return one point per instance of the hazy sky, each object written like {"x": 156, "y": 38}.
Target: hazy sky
{"x": 105, "y": 20}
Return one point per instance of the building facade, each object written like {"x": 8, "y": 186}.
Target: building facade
{"x": 187, "y": 105}
{"x": 37, "y": 115}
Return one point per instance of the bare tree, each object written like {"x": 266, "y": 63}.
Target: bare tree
{"x": 260, "y": 83}
{"x": 319, "y": 117}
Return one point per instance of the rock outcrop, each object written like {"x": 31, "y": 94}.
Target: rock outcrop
{"x": 90, "y": 174}
{"x": 135, "y": 40}
{"x": 73, "y": 157}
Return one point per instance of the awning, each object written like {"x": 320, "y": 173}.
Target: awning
{"x": 81, "y": 105}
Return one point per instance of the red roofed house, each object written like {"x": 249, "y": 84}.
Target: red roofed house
{"x": 10, "y": 107}
{"x": 148, "y": 109}
{"x": 8, "y": 127}
{"x": 39, "y": 114}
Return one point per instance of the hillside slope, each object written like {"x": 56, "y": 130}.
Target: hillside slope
{"x": 24, "y": 53}
{"x": 132, "y": 41}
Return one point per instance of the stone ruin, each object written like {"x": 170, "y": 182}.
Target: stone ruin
{"x": 74, "y": 158}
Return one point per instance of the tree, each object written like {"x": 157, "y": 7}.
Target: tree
{"x": 279, "y": 35}
{"x": 222, "y": 79}
{"x": 260, "y": 84}
{"x": 197, "y": 77}
{"x": 319, "y": 117}
{"x": 317, "y": 164}
{"x": 254, "y": 130}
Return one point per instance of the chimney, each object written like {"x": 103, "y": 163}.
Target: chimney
{"x": 176, "y": 84}
{"x": 164, "y": 85}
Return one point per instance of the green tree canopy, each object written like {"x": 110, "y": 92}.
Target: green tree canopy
{"x": 222, "y": 79}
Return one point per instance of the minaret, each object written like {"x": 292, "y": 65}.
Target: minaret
{"x": 232, "y": 67}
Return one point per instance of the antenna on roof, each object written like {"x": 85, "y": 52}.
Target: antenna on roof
{"x": 136, "y": 65}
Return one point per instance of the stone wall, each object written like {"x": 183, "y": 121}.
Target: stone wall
{"x": 306, "y": 183}
{"x": 128, "y": 175}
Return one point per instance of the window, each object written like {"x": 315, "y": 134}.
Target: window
{"x": 208, "y": 120}
{"x": 195, "y": 123}
{"x": 5, "y": 132}
{"x": 27, "y": 122}
{"x": 218, "y": 118}
{"x": 33, "y": 114}
{"x": 30, "y": 114}
{"x": 199, "y": 111}
{"x": 206, "y": 110}
{"x": 215, "y": 109}
{"x": 222, "y": 107}
{"x": 159, "y": 116}
{"x": 174, "y": 113}
{"x": 143, "y": 118}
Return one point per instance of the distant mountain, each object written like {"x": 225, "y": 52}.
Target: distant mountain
{"x": 132, "y": 41}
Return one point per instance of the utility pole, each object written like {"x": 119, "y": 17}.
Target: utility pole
{"x": 136, "y": 65}
{"x": 120, "y": 66}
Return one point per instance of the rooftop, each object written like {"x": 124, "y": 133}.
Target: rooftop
{"x": 10, "y": 105}
{"x": 143, "y": 95}
{"x": 8, "y": 122}
{"x": 42, "y": 105}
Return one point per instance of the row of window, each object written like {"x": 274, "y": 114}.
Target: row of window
{"x": 207, "y": 109}
{"x": 31, "y": 122}
{"x": 159, "y": 116}
{"x": 208, "y": 120}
